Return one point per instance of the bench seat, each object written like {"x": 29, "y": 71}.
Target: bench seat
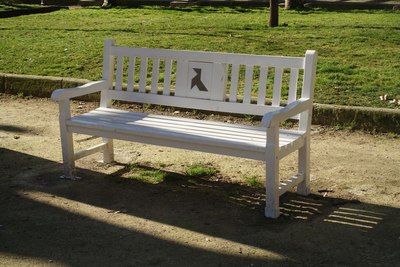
{"x": 201, "y": 135}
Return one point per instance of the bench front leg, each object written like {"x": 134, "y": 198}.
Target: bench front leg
{"x": 272, "y": 174}
{"x": 68, "y": 155}
{"x": 67, "y": 143}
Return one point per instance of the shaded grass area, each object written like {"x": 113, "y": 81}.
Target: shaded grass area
{"x": 146, "y": 172}
{"x": 359, "y": 51}
{"x": 156, "y": 175}
{"x": 199, "y": 170}
{"x": 11, "y": 6}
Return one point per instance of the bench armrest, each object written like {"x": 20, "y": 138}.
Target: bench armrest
{"x": 272, "y": 119}
{"x": 68, "y": 93}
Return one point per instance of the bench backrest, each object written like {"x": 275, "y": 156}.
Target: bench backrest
{"x": 205, "y": 80}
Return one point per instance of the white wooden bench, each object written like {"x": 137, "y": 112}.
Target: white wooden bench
{"x": 204, "y": 81}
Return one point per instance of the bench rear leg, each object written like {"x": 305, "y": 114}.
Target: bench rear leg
{"x": 108, "y": 151}
{"x": 304, "y": 168}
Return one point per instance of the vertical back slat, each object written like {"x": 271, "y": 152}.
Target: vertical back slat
{"x": 262, "y": 86}
{"x": 131, "y": 73}
{"x": 276, "y": 97}
{"x": 120, "y": 73}
{"x": 154, "y": 77}
{"x": 143, "y": 75}
{"x": 167, "y": 77}
{"x": 294, "y": 77}
{"x": 182, "y": 67}
{"x": 234, "y": 83}
{"x": 248, "y": 81}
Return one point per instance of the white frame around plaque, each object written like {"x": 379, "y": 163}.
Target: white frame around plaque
{"x": 213, "y": 76}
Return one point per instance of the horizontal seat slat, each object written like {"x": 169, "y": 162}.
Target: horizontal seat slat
{"x": 148, "y": 135}
{"x": 237, "y": 131}
{"x": 243, "y": 129}
{"x": 176, "y": 122}
{"x": 216, "y": 133}
{"x": 191, "y": 130}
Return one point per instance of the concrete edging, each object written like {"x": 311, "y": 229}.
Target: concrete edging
{"x": 358, "y": 118}
{"x": 34, "y": 85}
{"x": 361, "y": 118}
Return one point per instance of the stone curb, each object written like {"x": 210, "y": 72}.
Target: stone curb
{"x": 382, "y": 120}
{"x": 38, "y": 86}
{"x": 360, "y": 118}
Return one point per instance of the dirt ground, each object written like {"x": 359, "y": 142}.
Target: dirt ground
{"x": 351, "y": 218}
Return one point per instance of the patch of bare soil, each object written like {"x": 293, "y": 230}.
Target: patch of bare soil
{"x": 351, "y": 218}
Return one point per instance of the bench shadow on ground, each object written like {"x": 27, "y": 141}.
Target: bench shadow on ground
{"x": 105, "y": 220}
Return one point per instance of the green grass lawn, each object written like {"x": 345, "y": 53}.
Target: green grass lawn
{"x": 359, "y": 51}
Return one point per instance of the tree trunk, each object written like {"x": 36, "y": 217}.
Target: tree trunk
{"x": 273, "y": 13}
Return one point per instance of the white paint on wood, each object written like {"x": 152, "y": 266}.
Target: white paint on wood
{"x": 119, "y": 73}
{"x": 108, "y": 70}
{"x": 304, "y": 167}
{"x": 294, "y": 77}
{"x": 219, "y": 80}
{"x": 277, "y": 89}
{"x": 183, "y": 132}
{"x": 182, "y": 70}
{"x": 167, "y": 77}
{"x": 67, "y": 144}
{"x": 233, "y": 91}
{"x": 290, "y": 183}
{"x": 143, "y": 74}
{"x": 267, "y": 142}
{"x": 248, "y": 84}
{"x": 89, "y": 151}
{"x": 131, "y": 74}
{"x": 272, "y": 173}
{"x": 262, "y": 86}
{"x": 227, "y": 58}
{"x": 310, "y": 66}
{"x": 184, "y": 102}
{"x": 154, "y": 76}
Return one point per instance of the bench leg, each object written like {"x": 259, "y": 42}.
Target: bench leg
{"x": 67, "y": 142}
{"x": 108, "y": 152}
{"x": 272, "y": 174}
{"x": 304, "y": 168}
{"x": 272, "y": 185}
{"x": 68, "y": 155}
